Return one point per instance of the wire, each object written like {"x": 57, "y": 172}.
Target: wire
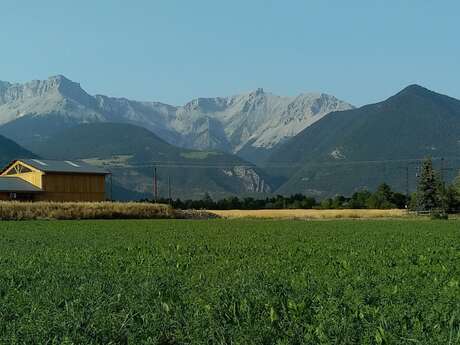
{"x": 178, "y": 164}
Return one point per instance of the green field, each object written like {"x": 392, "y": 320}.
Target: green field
{"x": 230, "y": 282}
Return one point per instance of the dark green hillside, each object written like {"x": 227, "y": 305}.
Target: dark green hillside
{"x": 413, "y": 124}
{"x": 9, "y": 150}
{"x": 28, "y": 130}
{"x": 130, "y": 152}
{"x": 105, "y": 140}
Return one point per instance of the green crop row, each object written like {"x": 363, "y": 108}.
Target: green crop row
{"x": 229, "y": 282}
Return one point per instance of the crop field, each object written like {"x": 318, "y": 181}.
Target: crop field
{"x": 311, "y": 214}
{"x": 230, "y": 282}
{"x": 44, "y": 210}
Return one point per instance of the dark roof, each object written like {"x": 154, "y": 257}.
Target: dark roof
{"x": 16, "y": 184}
{"x": 64, "y": 166}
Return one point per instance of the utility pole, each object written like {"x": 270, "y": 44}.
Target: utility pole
{"x": 384, "y": 173}
{"x": 407, "y": 182}
{"x": 444, "y": 168}
{"x": 407, "y": 177}
{"x": 442, "y": 172}
{"x": 169, "y": 190}
{"x": 155, "y": 185}
{"x": 406, "y": 169}
{"x": 111, "y": 187}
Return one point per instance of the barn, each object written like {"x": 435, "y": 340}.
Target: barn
{"x": 49, "y": 180}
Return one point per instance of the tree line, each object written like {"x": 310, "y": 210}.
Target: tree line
{"x": 431, "y": 194}
{"x": 383, "y": 198}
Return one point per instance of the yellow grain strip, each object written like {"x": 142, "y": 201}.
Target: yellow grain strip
{"x": 310, "y": 214}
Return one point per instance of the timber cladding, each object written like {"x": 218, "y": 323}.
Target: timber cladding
{"x": 73, "y": 187}
{"x": 46, "y": 180}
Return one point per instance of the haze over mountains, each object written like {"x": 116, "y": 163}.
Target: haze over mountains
{"x": 313, "y": 143}
{"x": 251, "y": 124}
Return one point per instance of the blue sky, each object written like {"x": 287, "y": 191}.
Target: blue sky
{"x": 173, "y": 51}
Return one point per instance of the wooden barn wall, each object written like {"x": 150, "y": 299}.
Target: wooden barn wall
{"x": 4, "y": 196}
{"x": 73, "y": 187}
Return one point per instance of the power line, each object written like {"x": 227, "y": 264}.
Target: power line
{"x": 178, "y": 164}
{"x": 444, "y": 169}
{"x": 406, "y": 170}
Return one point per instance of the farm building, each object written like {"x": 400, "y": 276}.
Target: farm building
{"x": 47, "y": 180}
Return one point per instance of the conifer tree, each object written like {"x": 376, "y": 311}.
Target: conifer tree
{"x": 456, "y": 183}
{"x": 429, "y": 189}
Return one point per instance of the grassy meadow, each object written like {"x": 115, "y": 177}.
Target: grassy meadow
{"x": 229, "y": 282}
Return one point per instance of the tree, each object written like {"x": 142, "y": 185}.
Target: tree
{"x": 399, "y": 200}
{"x": 429, "y": 188}
{"x": 451, "y": 199}
{"x": 382, "y": 198}
{"x": 326, "y": 203}
{"x": 452, "y": 196}
{"x": 207, "y": 201}
{"x": 456, "y": 183}
{"x": 359, "y": 199}
{"x": 338, "y": 202}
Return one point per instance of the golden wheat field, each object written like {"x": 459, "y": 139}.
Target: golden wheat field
{"x": 133, "y": 210}
{"x": 82, "y": 210}
{"x": 94, "y": 210}
{"x": 311, "y": 214}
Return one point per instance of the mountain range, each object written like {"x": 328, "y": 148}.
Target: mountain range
{"x": 360, "y": 148}
{"x": 254, "y": 143}
{"x": 250, "y": 125}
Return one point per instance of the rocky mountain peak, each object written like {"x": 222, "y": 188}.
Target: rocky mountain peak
{"x": 4, "y": 84}
{"x": 69, "y": 89}
{"x": 205, "y": 105}
{"x": 258, "y": 92}
{"x": 414, "y": 92}
{"x": 38, "y": 88}
{"x": 60, "y": 79}
{"x": 416, "y": 88}
{"x": 258, "y": 118}
{"x": 55, "y": 95}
